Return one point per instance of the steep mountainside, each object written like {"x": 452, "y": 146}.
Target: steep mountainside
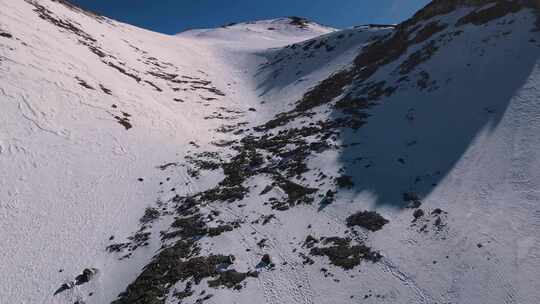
{"x": 277, "y": 161}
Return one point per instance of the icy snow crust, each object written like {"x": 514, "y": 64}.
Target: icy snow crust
{"x": 270, "y": 135}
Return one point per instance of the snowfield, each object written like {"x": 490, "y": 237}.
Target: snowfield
{"x": 276, "y": 161}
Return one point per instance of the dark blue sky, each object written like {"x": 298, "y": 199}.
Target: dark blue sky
{"x": 173, "y": 16}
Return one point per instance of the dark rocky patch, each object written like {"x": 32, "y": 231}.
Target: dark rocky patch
{"x": 167, "y": 268}
{"x": 229, "y": 128}
{"x": 306, "y": 259}
{"x": 5, "y": 35}
{"x": 342, "y": 253}
{"x": 217, "y": 115}
{"x": 418, "y": 213}
{"x": 225, "y": 193}
{"x": 262, "y": 243}
{"x": 208, "y": 98}
{"x": 412, "y": 200}
{"x": 203, "y": 161}
{"x": 437, "y": 211}
{"x": 47, "y": 15}
{"x": 83, "y": 278}
{"x": 124, "y": 121}
{"x": 105, "y": 90}
{"x": 428, "y": 31}
{"x": 299, "y": 21}
{"x": 498, "y": 10}
{"x": 223, "y": 143}
{"x": 84, "y": 84}
{"x": 266, "y": 260}
{"x": 418, "y": 57}
{"x": 296, "y": 194}
{"x": 167, "y": 165}
{"x": 267, "y": 218}
{"x": 117, "y": 247}
{"x": 124, "y": 71}
{"x": 84, "y": 38}
{"x": 216, "y": 231}
{"x": 434, "y": 221}
{"x": 231, "y": 279}
{"x": 370, "y": 220}
{"x": 150, "y": 214}
{"x": 211, "y": 90}
{"x": 95, "y": 49}
{"x": 139, "y": 239}
{"x": 266, "y": 189}
{"x": 310, "y": 241}
{"x": 165, "y": 76}
{"x": 424, "y": 81}
{"x": 194, "y": 227}
{"x": 180, "y": 262}
{"x": 328, "y": 198}
{"x": 154, "y": 85}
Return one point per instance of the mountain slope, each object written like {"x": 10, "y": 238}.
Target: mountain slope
{"x": 278, "y": 161}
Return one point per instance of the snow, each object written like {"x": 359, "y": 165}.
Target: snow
{"x": 69, "y": 177}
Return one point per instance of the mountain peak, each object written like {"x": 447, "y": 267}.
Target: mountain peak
{"x": 269, "y": 32}
{"x": 296, "y": 21}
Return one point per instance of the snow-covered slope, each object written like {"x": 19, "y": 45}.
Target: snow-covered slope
{"x": 278, "y": 161}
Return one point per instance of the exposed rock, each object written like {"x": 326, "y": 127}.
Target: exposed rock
{"x": 498, "y": 10}
{"x": 83, "y": 278}
{"x": 370, "y": 220}
{"x": 342, "y": 253}
{"x": 299, "y": 21}
{"x": 266, "y": 259}
{"x": 418, "y": 213}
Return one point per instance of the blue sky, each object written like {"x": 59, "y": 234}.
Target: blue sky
{"x": 173, "y": 16}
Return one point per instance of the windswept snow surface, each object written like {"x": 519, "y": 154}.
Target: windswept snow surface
{"x": 109, "y": 133}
